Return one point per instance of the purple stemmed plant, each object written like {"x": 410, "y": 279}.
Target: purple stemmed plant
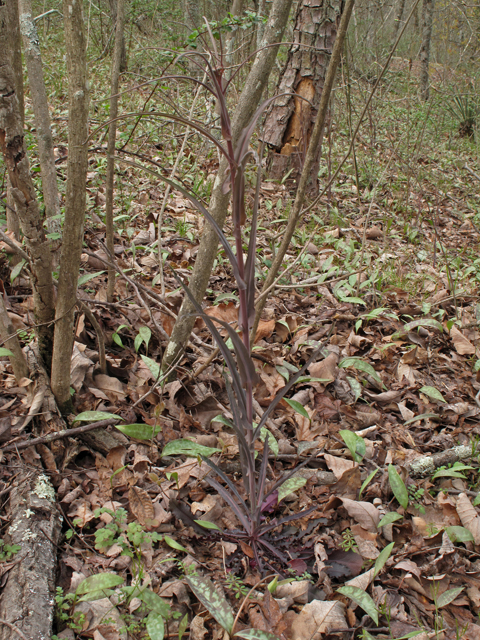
{"x": 242, "y": 376}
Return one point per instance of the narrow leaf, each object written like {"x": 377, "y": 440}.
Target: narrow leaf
{"x": 291, "y": 485}
{"x": 212, "y": 600}
{"x": 99, "y": 582}
{"x": 433, "y": 393}
{"x": 448, "y": 596}
{"x": 208, "y": 525}
{"x": 174, "y": 544}
{"x": 182, "y": 627}
{"x": 139, "y": 431}
{"x": 155, "y": 626}
{"x": 398, "y": 486}
{"x": 356, "y": 444}
{"x": 255, "y": 634}
{"x": 154, "y": 602}
{"x": 382, "y": 558}
{"x": 17, "y": 269}
{"x": 299, "y": 408}
{"x": 187, "y": 448}
{"x": 86, "y": 277}
{"x": 95, "y": 416}
{"x": 153, "y": 366}
{"x": 459, "y": 534}
{"x": 367, "y": 481}
{"x": 362, "y": 599}
{"x": 5, "y": 352}
{"x": 361, "y": 365}
{"x": 389, "y": 518}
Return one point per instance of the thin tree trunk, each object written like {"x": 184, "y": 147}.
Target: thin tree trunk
{"x": 15, "y": 46}
{"x": 42, "y": 117}
{"x": 427, "y": 21}
{"x": 236, "y": 11}
{"x": 289, "y": 122}
{"x": 112, "y": 133}
{"x": 248, "y": 101}
{"x": 23, "y": 191}
{"x": 10, "y": 338}
{"x": 398, "y": 18}
{"x": 75, "y": 201}
{"x": 123, "y": 49}
{"x": 311, "y": 156}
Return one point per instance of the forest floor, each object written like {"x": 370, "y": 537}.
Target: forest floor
{"x": 390, "y": 255}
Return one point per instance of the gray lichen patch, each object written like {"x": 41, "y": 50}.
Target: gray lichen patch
{"x": 43, "y": 489}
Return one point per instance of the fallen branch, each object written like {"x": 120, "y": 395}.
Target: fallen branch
{"x": 426, "y": 465}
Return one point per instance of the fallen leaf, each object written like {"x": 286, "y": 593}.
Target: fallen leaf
{"x": 319, "y": 617}
{"x": 325, "y": 369}
{"x": 469, "y": 517}
{"x": 462, "y": 345}
{"x": 141, "y": 505}
{"x": 365, "y": 513}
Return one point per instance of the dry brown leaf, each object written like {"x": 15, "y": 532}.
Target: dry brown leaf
{"x": 197, "y": 628}
{"x": 365, "y": 513}
{"x": 141, "y": 505}
{"x": 363, "y": 580}
{"x": 373, "y": 233}
{"x": 462, "y": 345}
{"x": 338, "y": 465}
{"x": 325, "y": 369}
{"x": 319, "y": 617}
{"x": 298, "y": 591}
{"x": 410, "y": 567}
{"x": 265, "y": 329}
{"x": 469, "y": 517}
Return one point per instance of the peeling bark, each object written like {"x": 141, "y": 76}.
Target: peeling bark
{"x": 27, "y": 600}
{"x": 289, "y": 122}
{"x": 23, "y": 192}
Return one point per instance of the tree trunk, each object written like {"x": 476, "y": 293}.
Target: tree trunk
{"x": 23, "y": 191}
{"x": 42, "y": 117}
{"x": 289, "y": 122}
{"x": 230, "y": 39}
{"x": 398, "y": 18}
{"x": 248, "y": 101}
{"x": 123, "y": 49}
{"x": 12, "y": 343}
{"x": 75, "y": 201}
{"x": 15, "y": 47}
{"x": 427, "y": 21}
{"x": 112, "y": 133}
{"x": 310, "y": 159}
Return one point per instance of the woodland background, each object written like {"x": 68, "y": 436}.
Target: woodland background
{"x": 149, "y": 485}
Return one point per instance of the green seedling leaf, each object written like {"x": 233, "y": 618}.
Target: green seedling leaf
{"x": 425, "y": 322}
{"x": 433, "y": 393}
{"x": 283, "y": 371}
{"x": 476, "y": 366}
{"x": 448, "y": 596}
{"x": 152, "y": 365}
{"x": 255, "y": 634}
{"x": 299, "y": 408}
{"x": 272, "y": 442}
{"x": 476, "y": 501}
{"x": 225, "y": 296}
{"x": 354, "y": 300}
{"x": 95, "y": 416}
{"x": 389, "y": 518}
{"x": 87, "y": 277}
{"x": 398, "y": 486}
{"x": 361, "y": 598}
{"x": 143, "y": 336}
{"x": 188, "y": 448}
{"x": 5, "y": 352}
{"x": 355, "y": 386}
{"x": 207, "y": 525}
{"x": 448, "y": 473}
{"x": 17, "y": 269}
{"x": 139, "y": 431}
{"x": 291, "y": 485}
{"x": 421, "y": 416}
{"x": 174, "y": 544}
{"x": 382, "y": 558}
{"x": 155, "y": 603}
{"x": 182, "y": 627}
{"x": 223, "y": 420}
{"x": 459, "y": 534}
{"x": 361, "y": 365}
{"x": 155, "y": 626}
{"x": 356, "y": 444}
{"x": 99, "y": 581}
{"x": 367, "y": 481}
{"x": 213, "y": 601}
{"x": 272, "y": 586}
{"x": 99, "y": 594}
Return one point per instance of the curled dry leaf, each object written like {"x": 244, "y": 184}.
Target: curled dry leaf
{"x": 462, "y": 345}
{"x": 325, "y": 369}
{"x": 365, "y": 513}
{"x": 363, "y": 580}
{"x": 338, "y": 465}
{"x": 141, "y": 505}
{"x": 318, "y": 618}
{"x": 469, "y": 517}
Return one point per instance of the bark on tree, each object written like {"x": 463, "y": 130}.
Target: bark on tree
{"x": 123, "y": 49}
{"x": 310, "y": 159}
{"x": 23, "y": 191}
{"x": 427, "y": 22}
{"x": 75, "y": 201}
{"x": 236, "y": 10}
{"x": 28, "y": 598}
{"x": 11, "y": 342}
{"x": 289, "y": 122}
{"x": 38, "y": 94}
{"x": 112, "y": 133}
{"x": 15, "y": 47}
{"x": 398, "y": 18}
{"x": 247, "y": 104}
